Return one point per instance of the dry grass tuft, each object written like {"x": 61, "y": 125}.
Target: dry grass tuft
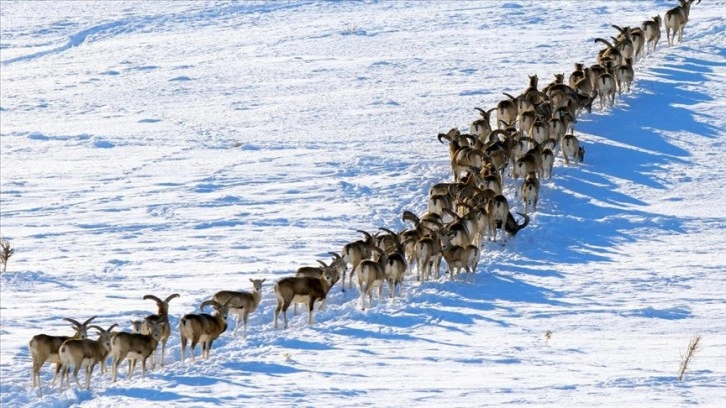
{"x": 693, "y": 347}
{"x": 5, "y": 253}
{"x": 548, "y": 336}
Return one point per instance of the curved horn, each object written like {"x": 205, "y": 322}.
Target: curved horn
{"x": 88, "y": 321}
{"x": 211, "y": 302}
{"x": 73, "y": 321}
{"x": 622, "y": 31}
{"x": 322, "y": 263}
{"x": 388, "y": 231}
{"x": 101, "y": 329}
{"x": 154, "y": 298}
{"x": 409, "y": 216}
{"x": 335, "y": 255}
{"x": 480, "y": 111}
{"x": 170, "y": 297}
{"x": 522, "y": 225}
{"x": 604, "y": 41}
{"x": 444, "y": 136}
{"x": 509, "y": 96}
{"x": 489, "y": 112}
{"x": 395, "y": 235}
{"x": 368, "y": 236}
{"x": 472, "y": 140}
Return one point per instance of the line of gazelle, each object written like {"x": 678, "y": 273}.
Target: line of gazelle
{"x": 452, "y": 229}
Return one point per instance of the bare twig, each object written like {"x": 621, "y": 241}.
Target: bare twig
{"x": 5, "y": 253}
{"x": 693, "y": 347}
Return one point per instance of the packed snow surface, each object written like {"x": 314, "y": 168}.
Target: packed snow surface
{"x": 186, "y": 147}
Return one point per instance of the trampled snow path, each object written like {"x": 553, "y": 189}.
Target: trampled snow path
{"x": 187, "y": 147}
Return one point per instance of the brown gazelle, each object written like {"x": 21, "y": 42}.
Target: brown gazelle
{"x": 651, "y": 30}
{"x": 241, "y": 304}
{"x": 530, "y": 192}
{"x": 44, "y": 348}
{"x": 134, "y": 346}
{"x": 203, "y": 328}
{"x": 161, "y": 316}
{"x": 84, "y": 353}
{"x": 303, "y": 289}
{"x": 676, "y": 19}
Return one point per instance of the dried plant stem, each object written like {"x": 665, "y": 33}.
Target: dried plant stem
{"x": 5, "y": 253}
{"x": 693, "y": 347}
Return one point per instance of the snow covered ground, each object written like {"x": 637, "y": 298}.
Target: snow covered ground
{"x": 162, "y": 147}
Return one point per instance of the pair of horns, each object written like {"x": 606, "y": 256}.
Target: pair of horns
{"x": 157, "y": 300}
{"x": 100, "y": 329}
{"x": 75, "y": 322}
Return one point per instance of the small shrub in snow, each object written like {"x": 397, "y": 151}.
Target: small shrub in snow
{"x": 6, "y": 251}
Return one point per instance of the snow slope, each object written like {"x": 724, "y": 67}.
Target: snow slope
{"x": 162, "y": 147}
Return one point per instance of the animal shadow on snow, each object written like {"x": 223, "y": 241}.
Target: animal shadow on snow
{"x": 587, "y": 218}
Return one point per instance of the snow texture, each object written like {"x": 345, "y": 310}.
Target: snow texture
{"x": 185, "y": 147}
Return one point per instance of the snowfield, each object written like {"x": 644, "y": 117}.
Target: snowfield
{"x": 185, "y": 147}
